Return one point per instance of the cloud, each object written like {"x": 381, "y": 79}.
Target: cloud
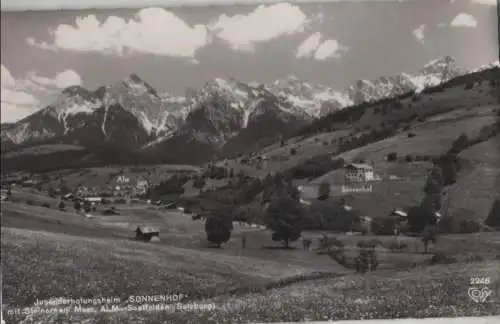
{"x": 21, "y": 97}
{"x": 485, "y": 2}
{"x": 419, "y": 33}
{"x": 330, "y": 48}
{"x": 160, "y": 32}
{"x": 307, "y": 48}
{"x": 15, "y": 104}
{"x": 263, "y": 24}
{"x": 62, "y": 80}
{"x": 151, "y": 30}
{"x": 312, "y": 47}
{"x": 464, "y": 20}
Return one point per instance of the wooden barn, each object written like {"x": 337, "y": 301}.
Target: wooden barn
{"x": 144, "y": 233}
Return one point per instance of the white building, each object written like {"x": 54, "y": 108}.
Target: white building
{"x": 357, "y": 172}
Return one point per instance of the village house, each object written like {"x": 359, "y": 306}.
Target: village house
{"x": 141, "y": 187}
{"x": 261, "y": 161}
{"x": 93, "y": 200}
{"x": 358, "y": 172}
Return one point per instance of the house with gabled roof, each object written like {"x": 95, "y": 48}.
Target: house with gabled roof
{"x": 359, "y": 172}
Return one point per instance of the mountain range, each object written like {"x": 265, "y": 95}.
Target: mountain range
{"x": 224, "y": 116}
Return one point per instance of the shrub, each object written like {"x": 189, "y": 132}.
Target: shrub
{"x": 469, "y": 85}
{"x": 458, "y": 225}
{"x": 411, "y": 134}
{"x": 46, "y": 205}
{"x": 293, "y": 151}
{"x": 392, "y": 157}
{"x": 397, "y": 105}
{"x": 384, "y": 225}
{"x": 397, "y": 245}
{"x": 469, "y": 226}
{"x": 199, "y": 183}
{"x": 442, "y": 258}
{"x": 29, "y": 202}
{"x": 409, "y": 158}
{"x": 120, "y": 201}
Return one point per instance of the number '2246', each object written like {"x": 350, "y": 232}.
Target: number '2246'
{"x": 480, "y": 281}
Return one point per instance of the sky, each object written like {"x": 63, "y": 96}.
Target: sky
{"x": 175, "y": 48}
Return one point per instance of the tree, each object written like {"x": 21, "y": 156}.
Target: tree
{"x": 493, "y": 218}
{"x": 77, "y": 206}
{"x": 459, "y": 144}
{"x": 61, "y": 206}
{"x": 86, "y": 206}
{"x": 450, "y": 166}
{"x": 285, "y": 218}
{"x": 51, "y": 192}
{"x": 367, "y": 259}
{"x": 419, "y": 217}
{"x": 429, "y": 235}
{"x": 218, "y": 227}
{"x": 199, "y": 182}
{"x": 434, "y": 183}
{"x": 324, "y": 190}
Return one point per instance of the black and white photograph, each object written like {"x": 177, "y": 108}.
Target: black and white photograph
{"x": 273, "y": 162}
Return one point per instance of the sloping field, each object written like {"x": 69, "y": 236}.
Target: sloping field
{"x": 431, "y": 138}
{"x": 476, "y": 190}
{"x": 435, "y": 291}
{"x": 438, "y": 291}
{"x": 33, "y": 261}
{"x": 438, "y": 103}
{"x": 383, "y": 198}
{"x": 42, "y": 149}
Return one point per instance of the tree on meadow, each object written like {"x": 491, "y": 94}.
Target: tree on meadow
{"x": 285, "y": 218}
{"x": 77, "y": 206}
{"x": 86, "y": 206}
{"x": 324, "y": 190}
{"x": 493, "y": 218}
{"x": 429, "y": 234}
{"x": 459, "y": 144}
{"x": 218, "y": 227}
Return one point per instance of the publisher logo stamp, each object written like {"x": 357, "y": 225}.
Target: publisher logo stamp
{"x": 479, "y": 291}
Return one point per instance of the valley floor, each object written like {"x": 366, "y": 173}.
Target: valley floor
{"x": 48, "y": 253}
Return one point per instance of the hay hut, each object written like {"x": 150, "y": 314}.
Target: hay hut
{"x": 144, "y": 233}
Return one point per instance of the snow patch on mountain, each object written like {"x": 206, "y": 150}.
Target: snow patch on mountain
{"x": 486, "y": 67}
